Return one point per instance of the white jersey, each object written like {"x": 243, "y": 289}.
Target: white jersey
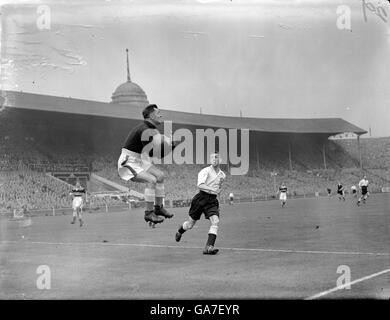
{"x": 212, "y": 179}
{"x": 363, "y": 183}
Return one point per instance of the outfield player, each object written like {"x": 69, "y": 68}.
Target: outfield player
{"x": 340, "y": 191}
{"x": 135, "y": 164}
{"x": 363, "y": 185}
{"x": 354, "y": 191}
{"x": 210, "y": 180}
{"x": 78, "y": 192}
{"x": 283, "y": 194}
{"x": 231, "y": 198}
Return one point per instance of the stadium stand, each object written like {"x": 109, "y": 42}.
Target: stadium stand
{"x": 32, "y": 190}
{"x": 30, "y": 150}
{"x": 28, "y": 185}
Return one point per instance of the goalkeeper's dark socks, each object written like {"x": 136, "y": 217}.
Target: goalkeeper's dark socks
{"x": 181, "y": 230}
{"x": 211, "y": 239}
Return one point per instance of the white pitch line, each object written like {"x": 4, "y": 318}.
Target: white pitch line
{"x": 324, "y": 293}
{"x": 187, "y": 247}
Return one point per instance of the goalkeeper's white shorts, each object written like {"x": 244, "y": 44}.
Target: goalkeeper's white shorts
{"x": 130, "y": 164}
{"x": 283, "y": 196}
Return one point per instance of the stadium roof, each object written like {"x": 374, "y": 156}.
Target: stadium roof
{"x": 31, "y": 101}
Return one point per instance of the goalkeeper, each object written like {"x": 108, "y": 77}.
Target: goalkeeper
{"x": 135, "y": 164}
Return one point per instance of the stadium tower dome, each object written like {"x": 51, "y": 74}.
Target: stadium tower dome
{"x": 129, "y": 92}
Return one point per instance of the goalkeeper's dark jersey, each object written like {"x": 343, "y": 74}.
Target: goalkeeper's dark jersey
{"x": 134, "y": 142}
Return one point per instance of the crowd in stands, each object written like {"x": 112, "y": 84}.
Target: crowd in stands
{"x": 16, "y": 153}
{"x": 31, "y": 190}
{"x": 375, "y": 152}
{"x": 180, "y": 181}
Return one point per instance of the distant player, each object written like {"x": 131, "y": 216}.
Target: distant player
{"x": 283, "y": 194}
{"x": 329, "y": 190}
{"x": 363, "y": 185}
{"x": 354, "y": 191}
{"x": 210, "y": 180}
{"x": 78, "y": 192}
{"x": 135, "y": 164}
{"x": 231, "y": 198}
{"x": 340, "y": 191}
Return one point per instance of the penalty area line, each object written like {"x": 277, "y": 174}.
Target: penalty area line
{"x": 324, "y": 293}
{"x": 193, "y": 247}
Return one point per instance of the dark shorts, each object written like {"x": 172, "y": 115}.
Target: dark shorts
{"x": 340, "y": 192}
{"x": 204, "y": 203}
{"x": 364, "y": 191}
{"x": 353, "y": 191}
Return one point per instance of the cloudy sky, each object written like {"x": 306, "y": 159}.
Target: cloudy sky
{"x": 279, "y": 58}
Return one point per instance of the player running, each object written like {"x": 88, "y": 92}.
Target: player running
{"x": 78, "y": 192}
{"x": 210, "y": 180}
{"x": 283, "y": 194}
{"x": 231, "y": 198}
{"x": 354, "y": 191}
{"x": 340, "y": 191}
{"x": 135, "y": 164}
{"x": 363, "y": 185}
